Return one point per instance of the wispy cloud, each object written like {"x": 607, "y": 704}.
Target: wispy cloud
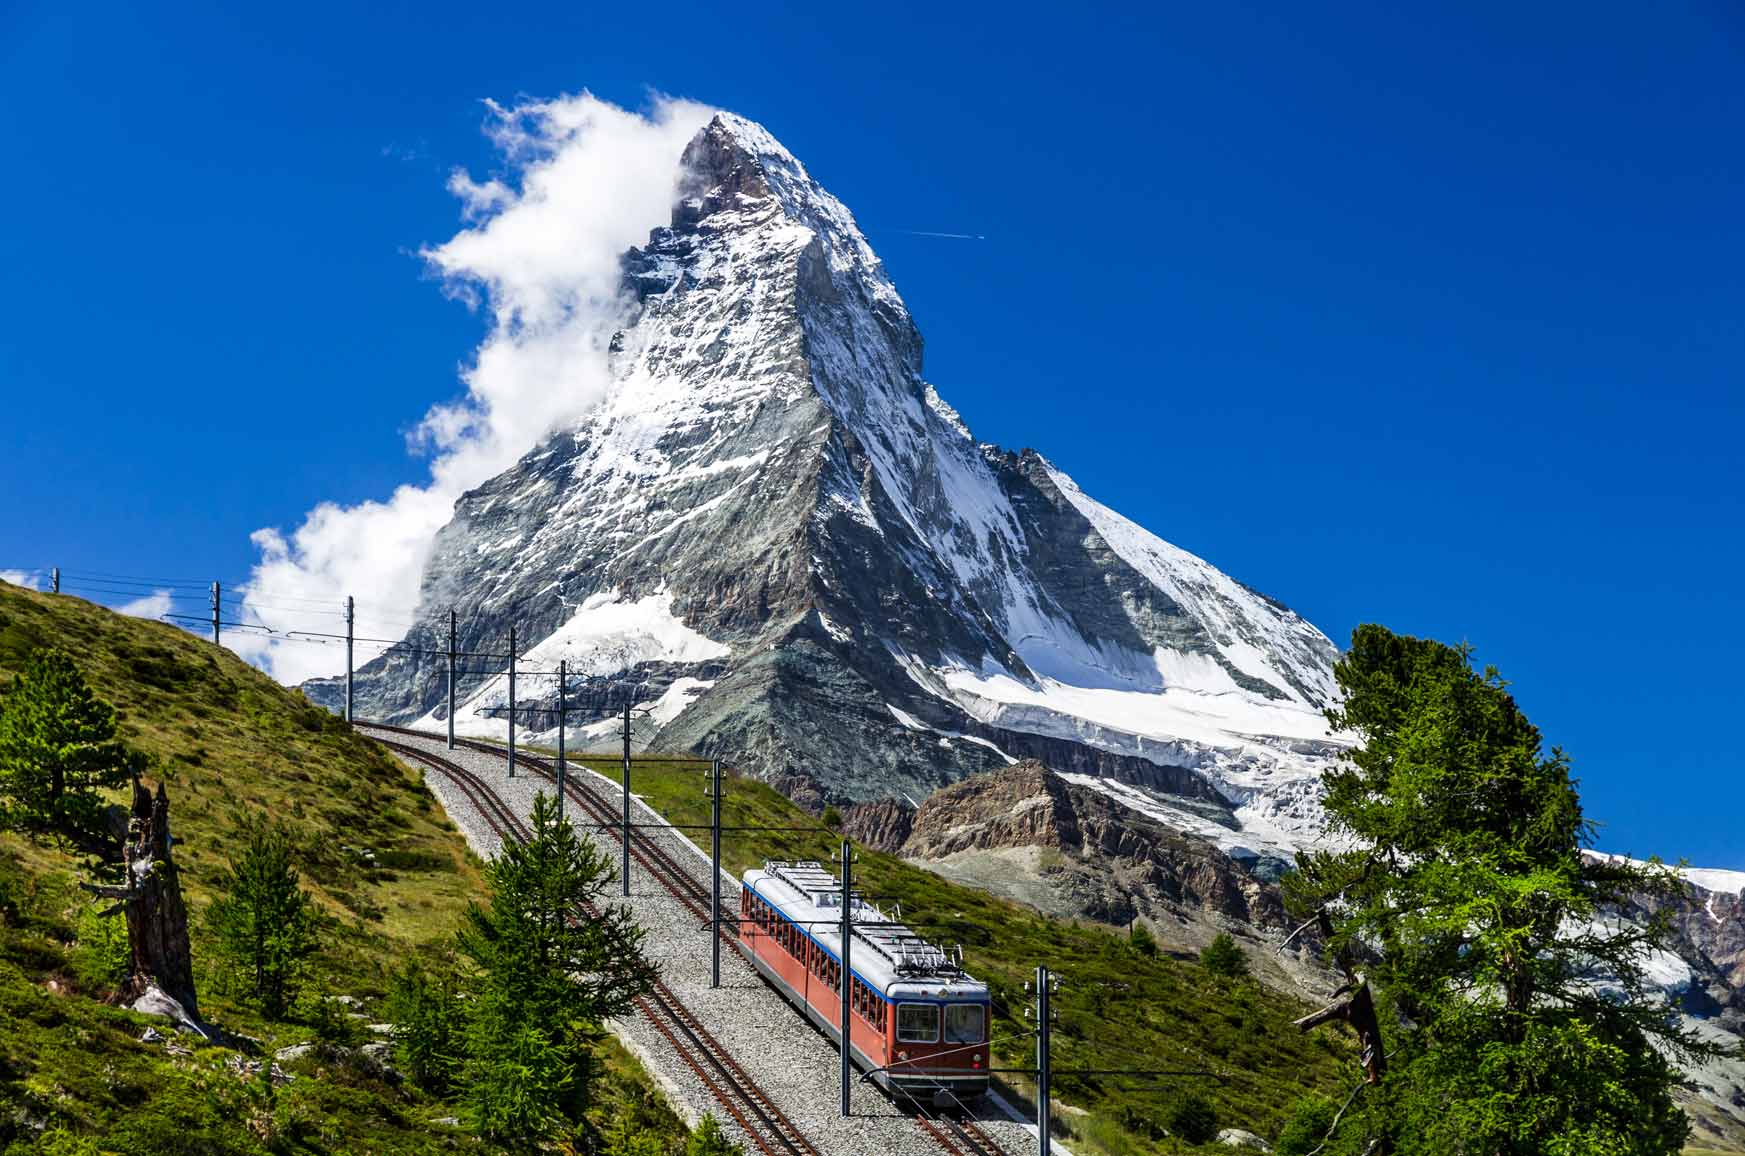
{"x": 583, "y": 180}
{"x": 25, "y": 578}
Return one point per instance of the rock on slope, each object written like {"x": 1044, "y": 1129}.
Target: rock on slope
{"x": 780, "y": 541}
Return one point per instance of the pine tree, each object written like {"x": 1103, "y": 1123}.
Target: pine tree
{"x": 58, "y": 750}
{"x": 425, "y": 1010}
{"x": 1477, "y": 922}
{"x": 546, "y": 967}
{"x": 1223, "y": 958}
{"x": 263, "y": 920}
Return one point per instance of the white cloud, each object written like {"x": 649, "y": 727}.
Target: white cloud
{"x": 24, "y": 578}
{"x": 153, "y": 605}
{"x": 584, "y": 181}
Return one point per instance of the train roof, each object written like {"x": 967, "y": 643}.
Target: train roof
{"x": 886, "y": 952}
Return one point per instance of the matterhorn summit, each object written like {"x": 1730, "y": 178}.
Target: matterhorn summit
{"x": 780, "y": 544}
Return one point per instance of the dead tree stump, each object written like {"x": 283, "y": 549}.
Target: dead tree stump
{"x": 157, "y": 916}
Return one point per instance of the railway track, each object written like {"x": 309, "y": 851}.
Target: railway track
{"x": 960, "y": 1136}
{"x": 956, "y": 1133}
{"x": 655, "y": 859}
{"x": 729, "y": 1083}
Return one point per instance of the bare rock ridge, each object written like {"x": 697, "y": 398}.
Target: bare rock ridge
{"x": 1101, "y": 861}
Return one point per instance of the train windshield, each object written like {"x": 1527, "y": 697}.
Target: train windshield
{"x": 963, "y": 1023}
{"x": 918, "y": 1023}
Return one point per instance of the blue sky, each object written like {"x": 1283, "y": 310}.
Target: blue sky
{"x": 1427, "y": 317}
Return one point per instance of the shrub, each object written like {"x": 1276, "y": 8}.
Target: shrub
{"x": 627, "y": 1138}
{"x": 101, "y": 959}
{"x": 1193, "y": 1119}
{"x": 328, "y": 1018}
{"x": 708, "y": 1140}
{"x": 1222, "y": 957}
{"x": 1142, "y": 941}
{"x": 1309, "y": 1122}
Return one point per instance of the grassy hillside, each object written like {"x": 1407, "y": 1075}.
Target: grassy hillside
{"x": 386, "y": 867}
{"x": 1118, "y": 1009}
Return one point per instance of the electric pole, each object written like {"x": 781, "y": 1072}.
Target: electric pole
{"x": 1044, "y": 982}
{"x": 624, "y": 867}
{"x": 511, "y": 702}
{"x": 451, "y": 679}
{"x": 715, "y": 873}
{"x": 215, "y": 641}
{"x": 54, "y": 580}
{"x": 847, "y": 977}
{"x": 350, "y": 617}
{"x": 562, "y": 677}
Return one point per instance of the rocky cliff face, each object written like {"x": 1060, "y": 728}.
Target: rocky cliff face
{"x": 783, "y": 547}
{"x": 1704, "y": 976}
{"x": 1117, "y": 864}
{"x": 1035, "y": 836}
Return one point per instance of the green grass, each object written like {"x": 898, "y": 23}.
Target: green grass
{"x": 230, "y": 743}
{"x": 1117, "y": 1009}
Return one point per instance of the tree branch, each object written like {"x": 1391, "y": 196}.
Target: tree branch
{"x": 1338, "y": 1116}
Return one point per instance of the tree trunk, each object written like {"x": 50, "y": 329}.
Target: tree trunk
{"x": 157, "y": 917}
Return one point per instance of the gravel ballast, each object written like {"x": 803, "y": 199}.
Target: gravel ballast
{"x": 794, "y": 1064}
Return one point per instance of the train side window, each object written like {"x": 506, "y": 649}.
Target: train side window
{"x": 918, "y": 1023}
{"x": 963, "y": 1023}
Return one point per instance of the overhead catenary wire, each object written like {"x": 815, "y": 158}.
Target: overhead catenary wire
{"x": 251, "y": 593}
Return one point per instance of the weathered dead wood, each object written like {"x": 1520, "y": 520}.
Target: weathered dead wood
{"x": 157, "y": 916}
{"x": 1356, "y": 1006}
{"x": 1358, "y": 1010}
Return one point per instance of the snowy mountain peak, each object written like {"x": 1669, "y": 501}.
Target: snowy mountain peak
{"x": 783, "y": 541}
{"x": 737, "y": 172}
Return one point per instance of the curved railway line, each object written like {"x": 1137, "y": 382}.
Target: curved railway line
{"x": 757, "y": 1115}
{"x": 773, "y": 1133}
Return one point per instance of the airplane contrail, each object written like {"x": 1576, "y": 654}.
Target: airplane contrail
{"x": 951, "y": 236}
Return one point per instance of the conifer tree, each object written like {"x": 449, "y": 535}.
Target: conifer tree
{"x": 548, "y": 973}
{"x": 58, "y": 750}
{"x": 1479, "y": 925}
{"x": 1223, "y": 958}
{"x": 262, "y": 919}
{"x": 425, "y": 1010}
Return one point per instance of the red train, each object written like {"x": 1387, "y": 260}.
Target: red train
{"x": 919, "y": 1024}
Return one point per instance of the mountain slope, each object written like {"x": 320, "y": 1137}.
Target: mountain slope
{"x": 386, "y": 868}
{"x": 781, "y": 541}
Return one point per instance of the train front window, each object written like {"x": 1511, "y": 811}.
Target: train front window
{"x": 918, "y": 1023}
{"x": 963, "y": 1023}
